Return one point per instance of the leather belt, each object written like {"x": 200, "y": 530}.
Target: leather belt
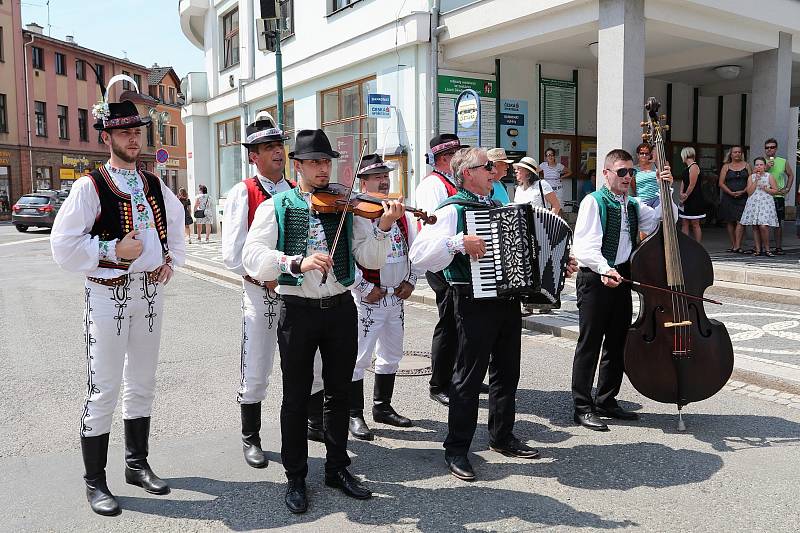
{"x": 254, "y": 281}
{"x": 321, "y": 303}
{"x": 121, "y": 280}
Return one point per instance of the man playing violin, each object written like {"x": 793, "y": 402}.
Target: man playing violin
{"x": 379, "y": 299}
{"x": 294, "y": 244}
{"x": 485, "y": 327}
{"x": 605, "y": 236}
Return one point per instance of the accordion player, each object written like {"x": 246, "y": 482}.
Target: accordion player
{"x": 527, "y": 252}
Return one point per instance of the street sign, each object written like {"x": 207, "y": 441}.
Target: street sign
{"x": 161, "y": 166}
{"x": 162, "y": 155}
{"x": 379, "y": 105}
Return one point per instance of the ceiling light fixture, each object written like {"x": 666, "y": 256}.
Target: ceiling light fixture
{"x": 728, "y": 72}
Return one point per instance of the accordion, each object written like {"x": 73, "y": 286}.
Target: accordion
{"x": 527, "y": 250}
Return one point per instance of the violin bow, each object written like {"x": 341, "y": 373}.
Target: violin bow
{"x": 344, "y": 211}
{"x": 664, "y": 289}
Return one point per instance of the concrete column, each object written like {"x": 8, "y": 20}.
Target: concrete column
{"x": 772, "y": 84}
{"x": 620, "y": 77}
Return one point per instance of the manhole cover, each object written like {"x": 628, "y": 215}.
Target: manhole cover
{"x": 413, "y": 363}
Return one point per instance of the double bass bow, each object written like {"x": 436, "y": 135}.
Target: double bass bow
{"x": 673, "y": 352}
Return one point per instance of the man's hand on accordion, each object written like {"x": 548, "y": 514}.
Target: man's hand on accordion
{"x": 572, "y": 267}
{"x": 474, "y": 246}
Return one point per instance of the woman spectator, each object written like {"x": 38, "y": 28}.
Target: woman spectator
{"x": 183, "y": 196}
{"x": 760, "y": 207}
{"x": 554, "y": 172}
{"x": 645, "y": 182}
{"x": 203, "y": 205}
{"x": 692, "y": 206}
{"x": 531, "y": 189}
{"x": 733, "y": 197}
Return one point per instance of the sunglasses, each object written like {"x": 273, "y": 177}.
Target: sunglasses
{"x": 644, "y": 153}
{"x": 770, "y": 147}
{"x": 488, "y": 166}
{"x": 622, "y": 171}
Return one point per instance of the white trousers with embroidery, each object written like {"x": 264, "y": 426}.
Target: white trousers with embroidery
{"x": 261, "y": 308}
{"x": 122, "y": 326}
{"x": 380, "y": 332}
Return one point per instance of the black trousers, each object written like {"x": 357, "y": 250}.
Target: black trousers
{"x": 486, "y": 327}
{"x": 301, "y": 330}
{"x": 604, "y": 316}
{"x": 445, "y": 340}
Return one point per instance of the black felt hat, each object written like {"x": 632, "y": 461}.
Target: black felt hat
{"x": 373, "y": 164}
{"x": 263, "y": 130}
{"x": 444, "y": 142}
{"x": 121, "y": 115}
{"x": 313, "y": 144}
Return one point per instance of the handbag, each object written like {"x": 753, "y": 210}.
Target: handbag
{"x": 201, "y": 213}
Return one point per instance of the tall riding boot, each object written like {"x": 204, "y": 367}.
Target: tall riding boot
{"x": 316, "y": 431}
{"x": 95, "y": 454}
{"x": 358, "y": 427}
{"x": 382, "y": 410}
{"x": 251, "y": 440}
{"x": 137, "y": 471}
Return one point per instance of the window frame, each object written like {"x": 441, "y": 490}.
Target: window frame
{"x": 161, "y": 93}
{"x": 37, "y": 57}
{"x": 61, "y": 64}
{"x": 63, "y": 121}
{"x": 80, "y": 69}
{"x": 49, "y": 172}
{"x": 83, "y": 125}
{"x": 100, "y": 73}
{"x": 332, "y": 9}
{"x": 173, "y": 135}
{"x": 126, "y": 85}
{"x": 228, "y": 36}
{"x": 172, "y": 95}
{"x": 287, "y": 19}
{"x": 138, "y": 79}
{"x": 2, "y": 47}
{"x": 150, "y": 134}
{"x": 41, "y": 118}
{"x": 3, "y": 113}
{"x": 236, "y": 141}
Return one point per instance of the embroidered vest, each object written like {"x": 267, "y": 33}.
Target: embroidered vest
{"x": 611, "y": 221}
{"x": 116, "y": 217}
{"x": 374, "y": 276}
{"x": 458, "y": 270}
{"x": 291, "y": 213}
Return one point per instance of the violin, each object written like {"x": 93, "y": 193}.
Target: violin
{"x": 673, "y": 352}
{"x": 334, "y": 199}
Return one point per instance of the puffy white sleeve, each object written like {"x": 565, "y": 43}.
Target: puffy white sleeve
{"x": 234, "y": 228}
{"x": 650, "y": 216}
{"x": 73, "y": 248}
{"x": 370, "y": 244}
{"x": 175, "y": 219}
{"x": 588, "y": 237}
{"x": 259, "y": 257}
{"x": 430, "y": 194}
{"x": 434, "y": 247}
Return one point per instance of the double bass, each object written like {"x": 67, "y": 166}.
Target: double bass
{"x": 673, "y": 352}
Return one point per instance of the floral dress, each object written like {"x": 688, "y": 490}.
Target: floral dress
{"x": 760, "y": 207}
{"x": 204, "y": 202}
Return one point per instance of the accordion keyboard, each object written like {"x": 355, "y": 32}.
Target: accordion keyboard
{"x": 485, "y": 273}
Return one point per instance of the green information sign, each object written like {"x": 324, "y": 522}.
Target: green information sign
{"x": 455, "y": 85}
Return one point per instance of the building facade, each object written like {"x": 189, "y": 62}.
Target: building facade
{"x": 168, "y": 132}
{"x": 568, "y": 74}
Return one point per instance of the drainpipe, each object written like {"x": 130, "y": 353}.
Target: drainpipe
{"x": 436, "y": 30}
{"x": 28, "y": 110}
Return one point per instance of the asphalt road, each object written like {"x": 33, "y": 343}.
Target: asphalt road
{"x": 736, "y": 468}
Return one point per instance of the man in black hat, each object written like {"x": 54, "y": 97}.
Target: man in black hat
{"x": 379, "y": 298}
{"x": 122, "y": 228}
{"x": 261, "y": 305}
{"x": 293, "y": 243}
{"x": 431, "y": 192}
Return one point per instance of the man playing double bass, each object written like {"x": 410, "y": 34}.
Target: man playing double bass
{"x": 605, "y": 236}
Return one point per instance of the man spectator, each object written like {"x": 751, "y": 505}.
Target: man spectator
{"x": 784, "y": 177}
{"x": 501, "y": 161}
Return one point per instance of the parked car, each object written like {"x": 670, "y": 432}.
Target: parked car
{"x": 36, "y": 209}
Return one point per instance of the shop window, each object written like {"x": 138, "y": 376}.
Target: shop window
{"x": 63, "y": 125}
{"x": 40, "y": 110}
{"x": 44, "y": 180}
{"x": 345, "y": 122}
{"x": 230, "y": 39}
{"x": 5, "y": 190}
{"x": 38, "y": 57}
{"x": 83, "y": 124}
{"x": 61, "y": 64}
{"x": 3, "y": 114}
{"x": 230, "y": 155}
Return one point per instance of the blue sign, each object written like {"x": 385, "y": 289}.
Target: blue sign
{"x": 514, "y": 126}
{"x": 162, "y": 155}
{"x": 379, "y": 105}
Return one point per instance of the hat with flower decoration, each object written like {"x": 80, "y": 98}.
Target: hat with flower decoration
{"x": 117, "y": 115}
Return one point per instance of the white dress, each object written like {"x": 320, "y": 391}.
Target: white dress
{"x": 532, "y": 195}
{"x": 760, "y": 207}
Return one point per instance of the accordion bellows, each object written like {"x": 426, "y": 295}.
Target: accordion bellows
{"x": 527, "y": 250}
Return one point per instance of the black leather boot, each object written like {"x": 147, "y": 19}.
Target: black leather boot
{"x": 382, "y": 410}
{"x": 251, "y": 440}
{"x": 358, "y": 427}
{"x": 137, "y": 470}
{"x": 316, "y": 431}
{"x": 95, "y": 455}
